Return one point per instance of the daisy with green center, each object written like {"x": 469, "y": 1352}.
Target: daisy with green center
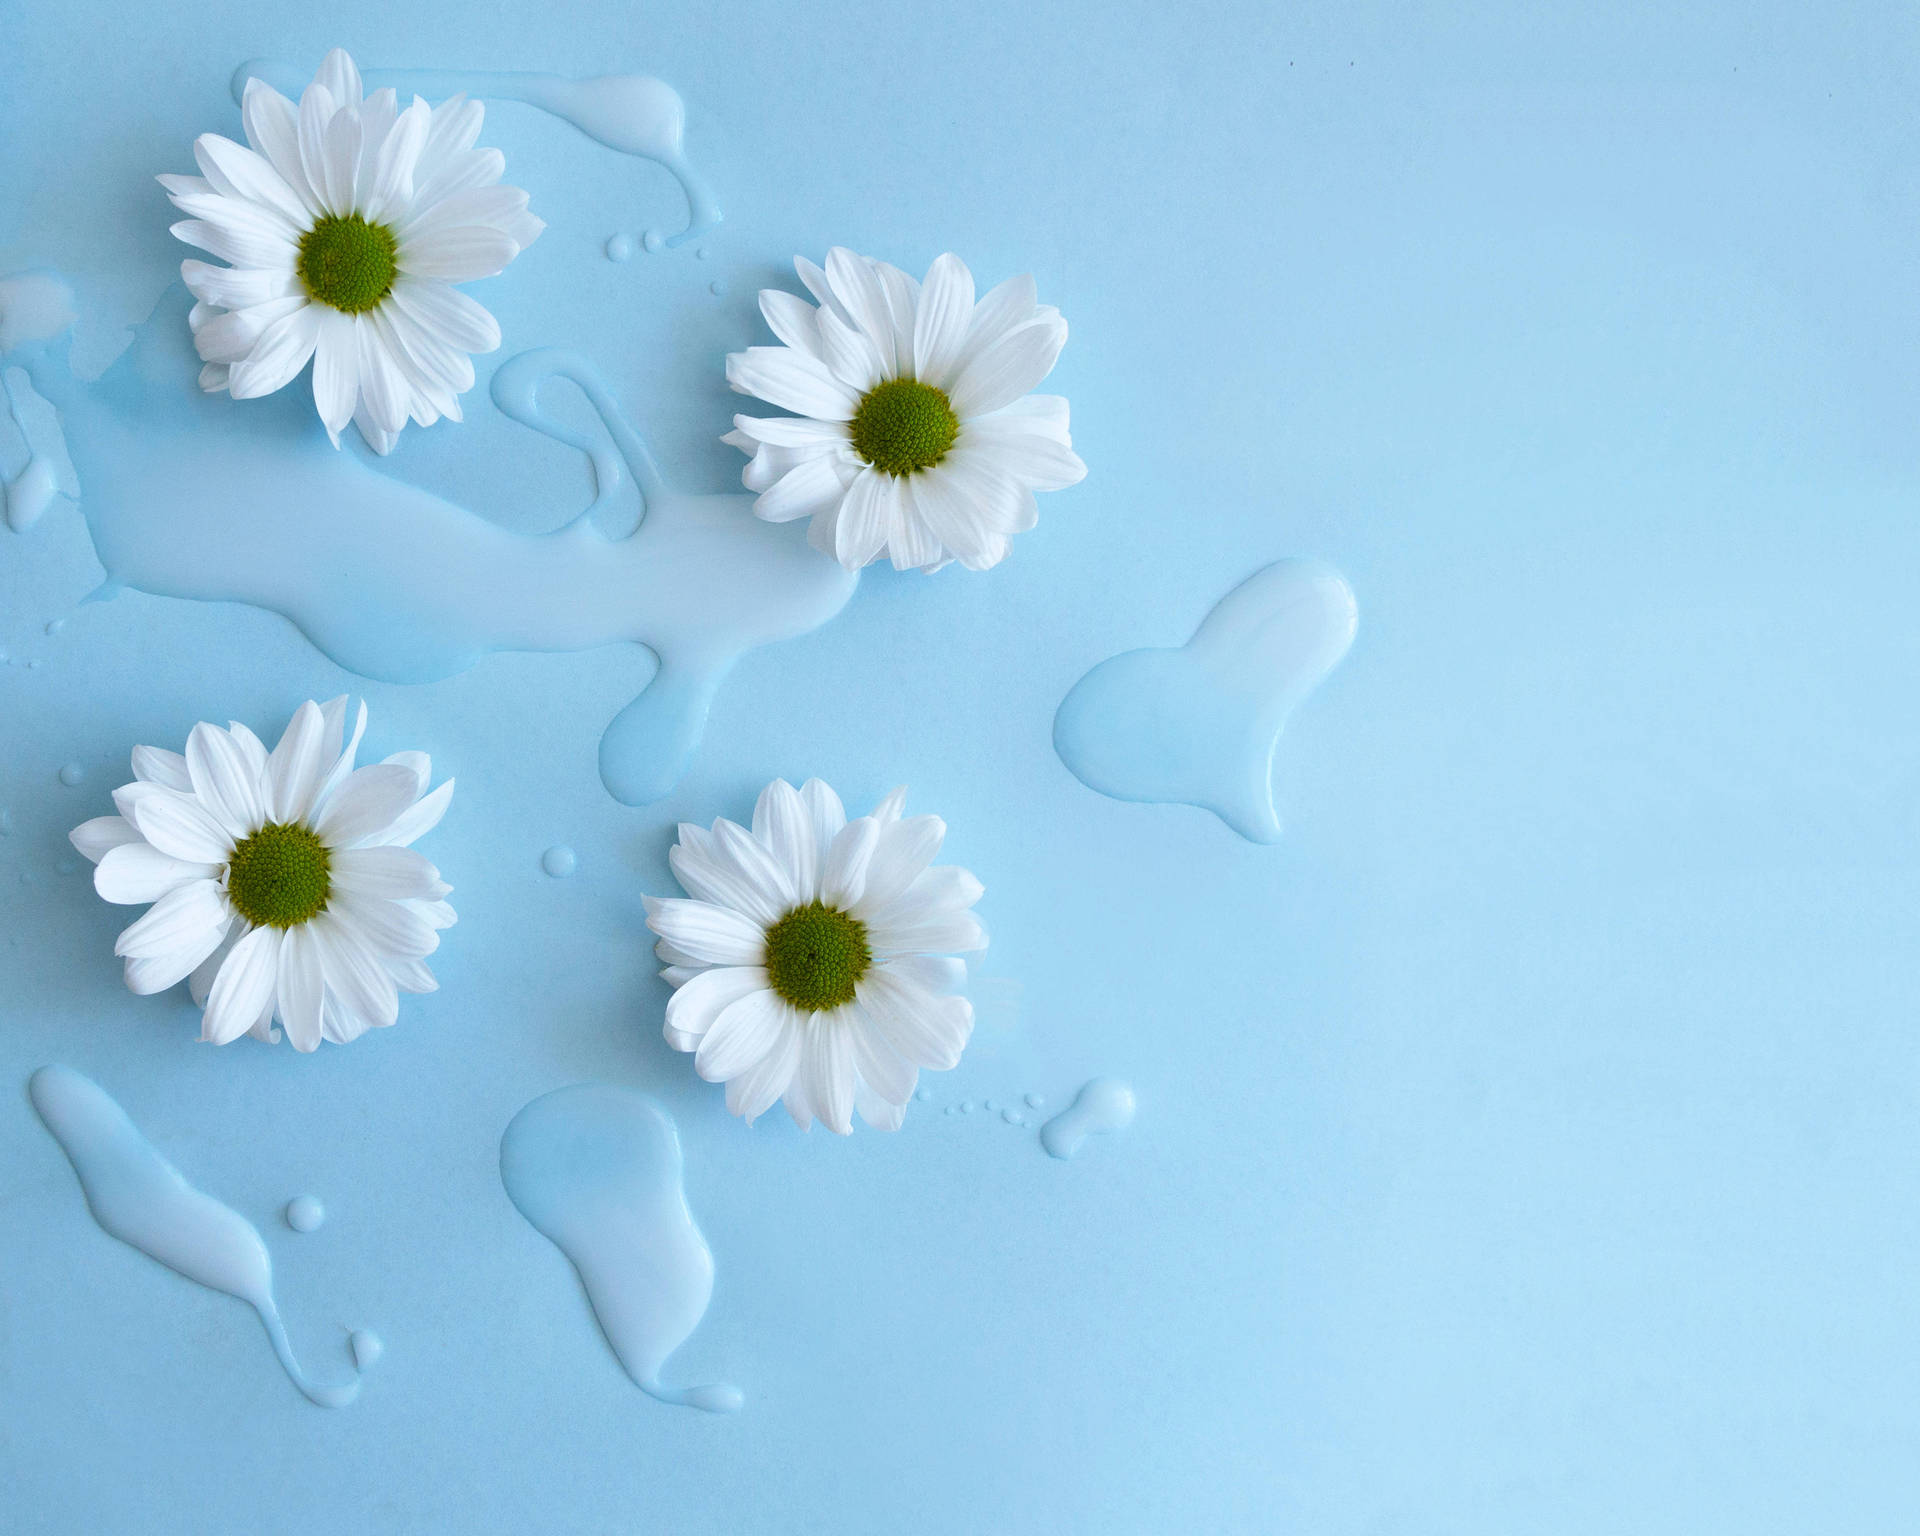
{"x": 914, "y": 436}
{"x": 346, "y": 222}
{"x": 283, "y": 884}
{"x": 812, "y": 962}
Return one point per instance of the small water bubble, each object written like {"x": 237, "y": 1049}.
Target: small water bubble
{"x": 34, "y": 665}
{"x": 1013, "y": 1116}
{"x": 620, "y": 248}
{"x": 988, "y": 1105}
{"x": 54, "y": 626}
{"x": 559, "y": 861}
{"x": 716, "y": 287}
{"x": 923, "y": 1094}
{"x": 72, "y": 774}
{"x": 966, "y": 1106}
{"x": 653, "y": 239}
{"x": 1036, "y": 1101}
{"x": 305, "y": 1213}
{"x": 953, "y": 1109}
{"x": 700, "y": 253}
{"x": 366, "y": 1347}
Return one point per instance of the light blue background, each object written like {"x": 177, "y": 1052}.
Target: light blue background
{"x": 1528, "y": 1143}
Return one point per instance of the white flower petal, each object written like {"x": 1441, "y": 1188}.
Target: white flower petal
{"x": 826, "y": 812}
{"x": 392, "y": 929}
{"x": 458, "y": 253}
{"x": 388, "y": 185}
{"x": 755, "y": 1091}
{"x": 384, "y": 873}
{"x": 200, "y": 982}
{"x": 880, "y": 1066}
{"x": 231, "y": 338}
{"x": 368, "y": 801}
{"x": 904, "y": 850}
{"x": 301, "y": 988}
{"x": 830, "y": 1071}
{"x": 156, "y": 765}
{"x": 225, "y": 781}
{"x": 708, "y": 875}
{"x": 911, "y": 542}
{"x": 342, "y": 80}
{"x": 272, "y": 126}
{"x": 336, "y": 375}
{"x": 756, "y": 863}
{"x": 781, "y": 822}
{"x": 849, "y": 355}
{"x": 297, "y": 764}
{"x": 1001, "y": 373}
{"x": 179, "y": 825}
{"x": 280, "y": 353}
{"x": 1041, "y": 462}
{"x": 693, "y": 1007}
{"x": 740, "y": 1035}
{"x": 95, "y": 839}
{"x": 353, "y": 972}
{"x": 237, "y": 241}
{"x": 809, "y": 488}
{"x": 922, "y": 1028}
{"x": 843, "y": 873}
{"x": 875, "y": 1110}
{"x": 192, "y": 918}
{"x": 935, "y": 895}
{"x": 243, "y": 988}
{"x": 947, "y": 932}
{"x": 136, "y": 873}
{"x": 940, "y": 326}
{"x": 707, "y": 934}
{"x": 856, "y": 284}
{"x": 418, "y": 819}
{"x": 447, "y": 315}
{"x": 240, "y": 172}
{"x": 793, "y": 320}
{"x": 792, "y": 380}
{"x": 865, "y": 516}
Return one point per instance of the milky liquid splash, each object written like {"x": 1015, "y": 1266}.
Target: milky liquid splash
{"x": 1200, "y": 724}
{"x": 1101, "y": 1107}
{"x": 37, "y": 306}
{"x": 202, "y": 496}
{"x": 139, "y": 1197}
{"x": 597, "y": 1170}
{"x": 634, "y": 114}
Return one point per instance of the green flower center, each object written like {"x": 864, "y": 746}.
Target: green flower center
{"x": 815, "y": 955}
{"x": 278, "y": 877}
{"x": 347, "y": 262}
{"x": 904, "y": 426}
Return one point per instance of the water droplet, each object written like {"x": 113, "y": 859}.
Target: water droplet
{"x": 620, "y": 248}
{"x": 54, "y": 626}
{"x": 1105, "y": 1104}
{"x": 366, "y": 1347}
{"x": 988, "y": 1105}
{"x": 700, "y": 253}
{"x": 716, "y": 287}
{"x": 72, "y": 774}
{"x": 1198, "y": 724}
{"x": 34, "y": 665}
{"x": 5, "y": 659}
{"x": 305, "y": 1213}
{"x": 1013, "y": 1116}
{"x": 923, "y": 1094}
{"x": 1036, "y": 1101}
{"x": 966, "y": 1106}
{"x": 953, "y": 1109}
{"x": 653, "y": 239}
{"x": 559, "y": 861}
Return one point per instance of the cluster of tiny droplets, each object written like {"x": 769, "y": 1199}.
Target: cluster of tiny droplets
{"x": 903, "y": 426}
{"x": 278, "y": 878}
{"x": 347, "y": 263}
{"x": 816, "y": 955}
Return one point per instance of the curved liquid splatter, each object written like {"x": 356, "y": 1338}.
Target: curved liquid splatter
{"x": 139, "y": 1197}
{"x": 1199, "y": 725}
{"x": 634, "y": 114}
{"x": 1104, "y": 1105}
{"x": 201, "y": 496}
{"x": 597, "y": 1171}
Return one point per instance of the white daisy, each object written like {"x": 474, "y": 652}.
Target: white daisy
{"x": 282, "y": 883}
{"x": 915, "y": 435}
{"x": 812, "y": 962}
{"x": 346, "y": 223}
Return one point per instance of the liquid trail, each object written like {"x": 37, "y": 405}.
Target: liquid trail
{"x": 139, "y": 1197}
{"x": 202, "y": 496}
{"x": 597, "y": 1171}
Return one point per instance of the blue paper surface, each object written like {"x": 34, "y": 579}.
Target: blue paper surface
{"x": 1525, "y": 1143}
